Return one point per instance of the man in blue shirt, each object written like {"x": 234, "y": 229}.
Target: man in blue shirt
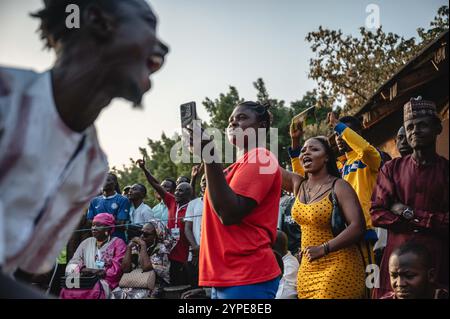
{"x": 111, "y": 202}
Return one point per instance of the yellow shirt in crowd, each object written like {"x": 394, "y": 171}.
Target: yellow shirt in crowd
{"x": 358, "y": 167}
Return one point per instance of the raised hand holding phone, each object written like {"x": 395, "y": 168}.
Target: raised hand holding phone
{"x": 191, "y": 126}
{"x": 188, "y": 113}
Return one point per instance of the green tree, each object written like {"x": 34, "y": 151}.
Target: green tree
{"x": 321, "y": 103}
{"x": 158, "y": 159}
{"x": 349, "y": 69}
{"x": 159, "y": 164}
{"x": 281, "y": 118}
{"x": 437, "y": 26}
{"x": 221, "y": 108}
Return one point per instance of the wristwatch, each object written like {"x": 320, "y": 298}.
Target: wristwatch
{"x": 408, "y": 213}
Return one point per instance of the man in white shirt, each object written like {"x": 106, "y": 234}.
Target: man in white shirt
{"x": 192, "y": 230}
{"x": 51, "y": 161}
{"x": 140, "y": 212}
{"x": 287, "y": 289}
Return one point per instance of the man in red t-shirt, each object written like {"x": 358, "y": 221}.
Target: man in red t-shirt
{"x": 176, "y": 204}
{"x": 241, "y": 212}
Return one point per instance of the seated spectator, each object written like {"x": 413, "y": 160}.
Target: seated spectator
{"x": 140, "y": 213}
{"x": 287, "y": 288}
{"x": 149, "y": 253}
{"x": 412, "y": 274}
{"x": 99, "y": 255}
{"x": 113, "y": 203}
{"x": 134, "y": 231}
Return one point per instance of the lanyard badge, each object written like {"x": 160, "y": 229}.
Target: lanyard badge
{"x": 99, "y": 263}
{"x": 175, "y": 233}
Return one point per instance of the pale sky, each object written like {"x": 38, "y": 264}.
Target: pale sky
{"x": 213, "y": 44}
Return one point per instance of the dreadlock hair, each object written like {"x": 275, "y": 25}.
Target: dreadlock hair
{"x": 53, "y": 18}
{"x": 262, "y": 111}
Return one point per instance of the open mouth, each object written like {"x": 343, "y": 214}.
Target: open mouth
{"x": 154, "y": 63}
{"x": 307, "y": 161}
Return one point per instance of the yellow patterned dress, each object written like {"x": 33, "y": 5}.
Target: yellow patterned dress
{"x": 338, "y": 275}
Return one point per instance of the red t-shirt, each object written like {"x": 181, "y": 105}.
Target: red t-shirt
{"x": 241, "y": 254}
{"x": 180, "y": 252}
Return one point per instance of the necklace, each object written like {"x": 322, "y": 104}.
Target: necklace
{"x": 311, "y": 188}
{"x": 310, "y": 198}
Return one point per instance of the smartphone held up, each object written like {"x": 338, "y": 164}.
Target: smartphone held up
{"x": 188, "y": 112}
{"x": 305, "y": 118}
{"x": 190, "y": 124}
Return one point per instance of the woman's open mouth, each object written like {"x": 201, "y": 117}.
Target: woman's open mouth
{"x": 307, "y": 161}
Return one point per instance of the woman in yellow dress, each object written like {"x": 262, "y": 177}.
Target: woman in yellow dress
{"x": 331, "y": 267}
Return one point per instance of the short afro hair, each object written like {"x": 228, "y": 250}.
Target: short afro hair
{"x": 417, "y": 249}
{"x": 143, "y": 188}
{"x": 53, "y": 18}
{"x": 172, "y": 182}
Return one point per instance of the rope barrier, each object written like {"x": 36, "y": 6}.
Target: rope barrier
{"x": 134, "y": 224}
